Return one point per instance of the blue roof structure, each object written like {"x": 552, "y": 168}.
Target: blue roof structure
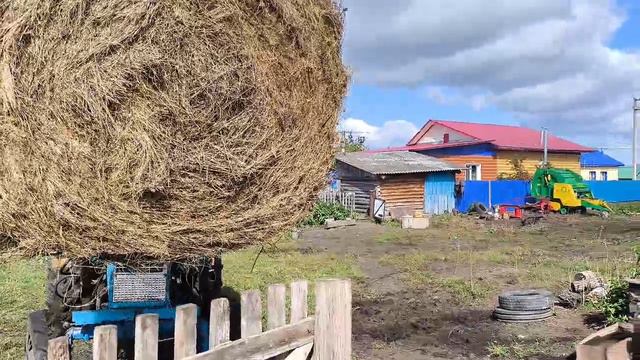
{"x": 598, "y": 159}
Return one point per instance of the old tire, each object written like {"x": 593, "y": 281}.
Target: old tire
{"x": 37, "y": 338}
{"x": 526, "y": 300}
{"x": 524, "y": 316}
{"x": 501, "y": 311}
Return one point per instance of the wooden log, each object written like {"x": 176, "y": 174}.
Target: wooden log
{"x": 105, "y": 342}
{"x": 146, "y": 337}
{"x": 219, "y": 323}
{"x": 185, "y": 336}
{"x": 58, "y": 349}
{"x": 299, "y": 307}
{"x": 333, "y": 320}
{"x": 264, "y": 345}
{"x": 276, "y": 306}
{"x": 250, "y": 314}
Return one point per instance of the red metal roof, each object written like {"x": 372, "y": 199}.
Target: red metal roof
{"x": 501, "y": 136}
{"x": 419, "y": 147}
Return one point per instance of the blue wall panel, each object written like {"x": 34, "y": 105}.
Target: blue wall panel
{"x": 439, "y": 195}
{"x": 515, "y": 191}
{"x": 512, "y": 192}
{"x": 615, "y": 191}
{"x": 477, "y": 150}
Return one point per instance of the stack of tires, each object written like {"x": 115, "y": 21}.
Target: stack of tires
{"x": 524, "y": 306}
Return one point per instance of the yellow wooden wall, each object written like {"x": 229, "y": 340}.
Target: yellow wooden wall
{"x": 532, "y": 160}
{"x": 487, "y": 163}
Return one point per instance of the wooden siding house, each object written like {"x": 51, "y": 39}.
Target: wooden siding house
{"x": 400, "y": 178}
{"x": 487, "y": 151}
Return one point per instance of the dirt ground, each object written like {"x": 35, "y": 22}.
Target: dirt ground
{"x": 429, "y": 294}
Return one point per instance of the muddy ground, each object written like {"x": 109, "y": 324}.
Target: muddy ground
{"x": 429, "y": 294}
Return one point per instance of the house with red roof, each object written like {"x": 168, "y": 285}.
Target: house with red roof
{"x": 488, "y": 151}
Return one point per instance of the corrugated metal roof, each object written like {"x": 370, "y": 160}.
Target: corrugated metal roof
{"x": 598, "y": 159}
{"x": 396, "y": 162}
{"x": 503, "y": 136}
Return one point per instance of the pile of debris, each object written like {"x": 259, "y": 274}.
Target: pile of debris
{"x": 586, "y": 286}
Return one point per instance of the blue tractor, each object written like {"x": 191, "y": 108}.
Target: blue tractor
{"x": 83, "y": 294}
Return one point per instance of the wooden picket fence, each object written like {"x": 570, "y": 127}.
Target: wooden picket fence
{"x": 327, "y": 333}
{"x": 345, "y": 198}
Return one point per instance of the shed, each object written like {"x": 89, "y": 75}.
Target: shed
{"x": 407, "y": 181}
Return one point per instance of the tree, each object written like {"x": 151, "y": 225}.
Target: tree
{"x": 351, "y": 143}
{"x": 518, "y": 171}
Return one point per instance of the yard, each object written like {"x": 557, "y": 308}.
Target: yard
{"x": 417, "y": 294}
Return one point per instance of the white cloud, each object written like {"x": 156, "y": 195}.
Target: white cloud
{"x": 547, "y": 62}
{"x": 391, "y": 133}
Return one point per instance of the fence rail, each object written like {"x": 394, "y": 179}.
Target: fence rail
{"x": 327, "y": 333}
{"x": 344, "y": 198}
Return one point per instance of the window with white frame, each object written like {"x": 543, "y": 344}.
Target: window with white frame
{"x": 474, "y": 172}
{"x": 604, "y": 176}
{"x": 592, "y": 175}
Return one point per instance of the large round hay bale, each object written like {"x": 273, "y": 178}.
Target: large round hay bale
{"x": 168, "y": 129}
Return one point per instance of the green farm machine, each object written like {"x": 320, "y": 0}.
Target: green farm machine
{"x": 564, "y": 191}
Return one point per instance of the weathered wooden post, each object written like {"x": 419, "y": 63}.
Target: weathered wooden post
{"x": 185, "y": 336}
{"x": 333, "y": 320}
{"x": 219, "y": 323}
{"x": 58, "y": 349}
{"x": 105, "y": 342}
{"x": 146, "y": 337}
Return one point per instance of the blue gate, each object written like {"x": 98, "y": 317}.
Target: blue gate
{"x": 439, "y": 193}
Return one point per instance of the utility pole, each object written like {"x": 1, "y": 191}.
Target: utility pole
{"x": 545, "y": 143}
{"x": 636, "y": 110}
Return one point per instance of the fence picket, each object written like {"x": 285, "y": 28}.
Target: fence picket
{"x": 219, "y": 324}
{"x": 146, "y": 337}
{"x": 105, "y": 342}
{"x": 333, "y": 320}
{"x": 185, "y": 336}
{"x": 250, "y": 314}
{"x": 58, "y": 349}
{"x": 276, "y": 306}
{"x": 301, "y": 353}
{"x": 299, "y": 307}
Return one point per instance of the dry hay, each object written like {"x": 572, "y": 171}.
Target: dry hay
{"x": 166, "y": 129}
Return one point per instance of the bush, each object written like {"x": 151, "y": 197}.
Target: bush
{"x": 325, "y": 210}
{"x": 615, "y": 305}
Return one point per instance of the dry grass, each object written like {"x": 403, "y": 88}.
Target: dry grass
{"x": 166, "y": 129}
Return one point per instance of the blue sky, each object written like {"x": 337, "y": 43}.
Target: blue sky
{"x": 570, "y": 66}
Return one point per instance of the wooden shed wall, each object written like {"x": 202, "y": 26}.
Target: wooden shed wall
{"x": 403, "y": 191}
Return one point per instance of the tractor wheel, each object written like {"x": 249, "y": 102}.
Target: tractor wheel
{"x": 57, "y": 312}
{"x": 564, "y": 210}
{"x": 37, "y": 339}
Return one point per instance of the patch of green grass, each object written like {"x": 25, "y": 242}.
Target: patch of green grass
{"x": 631, "y": 208}
{"x": 517, "y": 349}
{"x": 416, "y": 273}
{"x": 496, "y": 350}
{"x": 282, "y": 264}
{"x": 22, "y": 290}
